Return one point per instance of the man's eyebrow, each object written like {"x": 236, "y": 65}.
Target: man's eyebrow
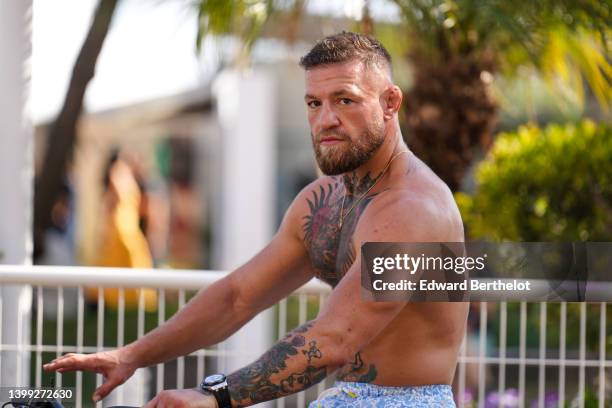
{"x": 343, "y": 92}
{"x": 333, "y": 94}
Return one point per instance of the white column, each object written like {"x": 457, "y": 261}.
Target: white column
{"x": 247, "y": 114}
{"x": 16, "y": 175}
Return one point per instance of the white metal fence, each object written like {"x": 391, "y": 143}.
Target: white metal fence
{"x": 64, "y": 320}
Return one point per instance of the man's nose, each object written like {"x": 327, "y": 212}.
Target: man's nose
{"x": 327, "y": 118}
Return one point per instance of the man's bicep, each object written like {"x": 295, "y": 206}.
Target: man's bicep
{"x": 353, "y": 319}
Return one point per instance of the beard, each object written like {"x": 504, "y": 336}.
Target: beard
{"x": 342, "y": 158}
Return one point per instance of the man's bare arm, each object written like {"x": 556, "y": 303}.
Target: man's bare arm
{"x": 212, "y": 315}
{"x": 218, "y": 311}
{"x": 347, "y": 323}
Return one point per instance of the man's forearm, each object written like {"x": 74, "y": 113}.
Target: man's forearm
{"x": 299, "y": 360}
{"x": 207, "y": 319}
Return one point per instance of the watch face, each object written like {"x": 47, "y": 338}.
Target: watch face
{"x": 214, "y": 379}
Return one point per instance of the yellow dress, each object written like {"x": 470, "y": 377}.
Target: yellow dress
{"x": 123, "y": 244}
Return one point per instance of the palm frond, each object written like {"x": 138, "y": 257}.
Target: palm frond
{"x": 567, "y": 40}
{"x": 243, "y": 18}
{"x": 574, "y": 57}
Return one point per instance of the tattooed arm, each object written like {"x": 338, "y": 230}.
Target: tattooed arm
{"x": 212, "y": 315}
{"x": 299, "y": 360}
{"x": 311, "y": 352}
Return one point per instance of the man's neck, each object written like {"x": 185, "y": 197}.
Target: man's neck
{"x": 358, "y": 181}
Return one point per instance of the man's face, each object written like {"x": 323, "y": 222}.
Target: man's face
{"x": 345, "y": 114}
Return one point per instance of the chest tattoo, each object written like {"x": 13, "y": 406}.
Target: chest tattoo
{"x": 331, "y": 249}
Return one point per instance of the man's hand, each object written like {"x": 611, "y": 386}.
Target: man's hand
{"x": 182, "y": 399}
{"x": 113, "y": 365}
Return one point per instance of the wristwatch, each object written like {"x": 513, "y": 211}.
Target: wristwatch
{"x": 216, "y": 384}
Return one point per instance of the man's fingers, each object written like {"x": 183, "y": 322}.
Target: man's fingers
{"x": 60, "y": 358}
{"x": 71, "y": 363}
{"x": 105, "y": 389}
{"x": 152, "y": 403}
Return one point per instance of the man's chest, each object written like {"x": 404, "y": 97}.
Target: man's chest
{"x": 330, "y": 242}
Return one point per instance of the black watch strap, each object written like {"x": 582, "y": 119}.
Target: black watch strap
{"x": 223, "y": 398}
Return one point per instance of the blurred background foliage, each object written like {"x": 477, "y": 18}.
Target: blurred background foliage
{"x": 551, "y": 184}
{"x": 449, "y": 55}
{"x": 243, "y": 18}
{"x": 464, "y": 65}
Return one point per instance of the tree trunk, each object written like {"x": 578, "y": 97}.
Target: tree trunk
{"x": 63, "y": 133}
{"x": 450, "y": 114}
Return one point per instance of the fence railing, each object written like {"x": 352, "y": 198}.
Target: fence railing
{"x": 73, "y": 312}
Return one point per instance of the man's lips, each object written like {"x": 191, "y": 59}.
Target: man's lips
{"x": 330, "y": 141}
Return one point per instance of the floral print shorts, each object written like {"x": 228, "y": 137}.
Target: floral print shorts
{"x": 364, "y": 395}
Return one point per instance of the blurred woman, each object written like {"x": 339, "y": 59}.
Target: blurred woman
{"x": 122, "y": 242}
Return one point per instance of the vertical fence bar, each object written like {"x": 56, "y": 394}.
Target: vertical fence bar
{"x": 100, "y": 335}
{"x": 60, "y": 331}
{"x": 79, "y": 374}
{"x": 19, "y": 347}
{"x": 120, "y": 332}
{"x": 39, "y": 331}
{"x": 482, "y": 347}
{"x": 303, "y": 309}
{"x": 503, "y": 338}
{"x": 161, "y": 317}
{"x": 582, "y": 354}
{"x": 462, "y": 353}
{"x": 321, "y": 385}
{"x": 139, "y": 334}
{"x": 522, "y": 353}
{"x": 121, "y": 318}
{"x": 221, "y": 362}
{"x": 282, "y": 330}
{"x": 542, "y": 356}
{"x": 562, "y": 336}
{"x": 1, "y": 323}
{"x": 282, "y": 318}
{"x": 200, "y": 365}
{"x": 141, "y": 315}
{"x": 180, "y": 362}
{"x": 302, "y": 312}
{"x": 602, "y": 355}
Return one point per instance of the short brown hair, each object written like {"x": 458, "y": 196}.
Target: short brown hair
{"x": 347, "y": 46}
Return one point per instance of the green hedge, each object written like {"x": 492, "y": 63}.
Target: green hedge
{"x": 552, "y": 184}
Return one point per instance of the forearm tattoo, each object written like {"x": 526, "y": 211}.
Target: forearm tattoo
{"x": 269, "y": 377}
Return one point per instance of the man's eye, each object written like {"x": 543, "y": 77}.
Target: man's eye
{"x": 345, "y": 101}
{"x": 313, "y": 104}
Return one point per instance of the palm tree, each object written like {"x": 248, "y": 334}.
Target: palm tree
{"x": 455, "y": 47}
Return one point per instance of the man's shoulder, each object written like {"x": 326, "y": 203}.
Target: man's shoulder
{"x": 313, "y": 195}
{"x": 410, "y": 213}
{"x": 322, "y": 182}
{"x": 319, "y": 190}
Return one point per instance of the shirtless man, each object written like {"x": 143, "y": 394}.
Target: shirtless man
{"x": 374, "y": 189}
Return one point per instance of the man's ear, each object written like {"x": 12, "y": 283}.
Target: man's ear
{"x": 391, "y": 101}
